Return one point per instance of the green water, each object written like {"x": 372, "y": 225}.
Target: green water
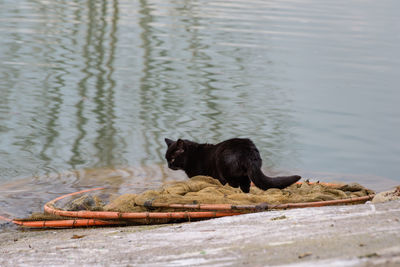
{"x": 100, "y": 84}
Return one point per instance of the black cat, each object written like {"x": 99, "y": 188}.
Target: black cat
{"x": 234, "y": 161}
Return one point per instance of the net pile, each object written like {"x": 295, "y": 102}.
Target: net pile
{"x": 206, "y": 190}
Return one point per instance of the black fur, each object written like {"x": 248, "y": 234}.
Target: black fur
{"x": 234, "y": 161}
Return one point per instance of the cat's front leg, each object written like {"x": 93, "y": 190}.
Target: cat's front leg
{"x": 245, "y": 184}
{"x": 221, "y": 178}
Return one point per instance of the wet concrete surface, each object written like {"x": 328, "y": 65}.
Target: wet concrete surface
{"x": 358, "y": 235}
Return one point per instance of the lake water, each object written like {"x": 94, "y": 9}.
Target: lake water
{"x": 90, "y": 89}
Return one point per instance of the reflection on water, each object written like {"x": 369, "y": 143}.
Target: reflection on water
{"x": 100, "y": 84}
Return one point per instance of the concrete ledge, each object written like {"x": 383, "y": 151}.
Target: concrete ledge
{"x": 359, "y": 235}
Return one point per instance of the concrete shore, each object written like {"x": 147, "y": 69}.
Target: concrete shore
{"x": 358, "y": 235}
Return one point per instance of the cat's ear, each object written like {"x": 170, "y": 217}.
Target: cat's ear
{"x": 168, "y": 141}
{"x": 180, "y": 144}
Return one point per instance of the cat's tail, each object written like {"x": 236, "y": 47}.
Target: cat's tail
{"x": 264, "y": 182}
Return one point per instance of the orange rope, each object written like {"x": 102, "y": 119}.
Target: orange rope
{"x": 112, "y": 215}
{"x": 5, "y": 219}
{"x": 65, "y": 223}
{"x": 75, "y": 193}
{"x": 262, "y": 206}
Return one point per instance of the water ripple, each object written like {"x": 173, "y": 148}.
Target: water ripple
{"x": 102, "y": 83}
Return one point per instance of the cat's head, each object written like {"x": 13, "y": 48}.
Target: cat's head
{"x": 176, "y": 154}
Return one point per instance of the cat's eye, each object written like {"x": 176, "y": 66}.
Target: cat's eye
{"x": 172, "y": 160}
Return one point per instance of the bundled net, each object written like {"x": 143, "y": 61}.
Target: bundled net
{"x": 206, "y": 190}
{"x": 198, "y": 190}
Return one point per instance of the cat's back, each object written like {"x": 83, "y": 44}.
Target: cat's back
{"x": 237, "y": 142}
{"x": 237, "y": 145}
{"x": 237, "y": 151}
